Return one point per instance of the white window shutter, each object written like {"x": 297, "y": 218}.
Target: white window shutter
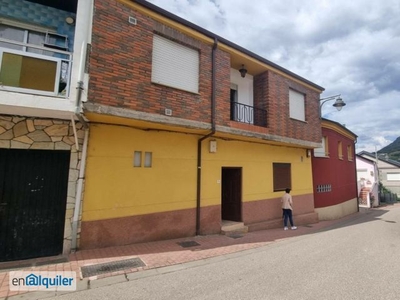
{"x": 321, "y": 152}
{"x": 296, "y": 105}
{"x": 175, "y": 65}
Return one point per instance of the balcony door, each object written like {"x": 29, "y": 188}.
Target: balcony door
{"x": 241, "y": 98}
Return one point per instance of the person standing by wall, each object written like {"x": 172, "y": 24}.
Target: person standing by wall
{"x": 287, "y": 207}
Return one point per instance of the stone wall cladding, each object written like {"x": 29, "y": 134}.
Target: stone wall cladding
{"x": 120, "y": 71}
{"x": 47, "y": 134}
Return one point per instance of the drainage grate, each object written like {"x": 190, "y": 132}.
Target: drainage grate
{"x": 188, "y": 244}
{"x": 309, "y": 226}
{"x": 114, "y": 266}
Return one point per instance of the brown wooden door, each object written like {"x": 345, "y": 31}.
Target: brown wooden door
{"x": 231, "y": 194}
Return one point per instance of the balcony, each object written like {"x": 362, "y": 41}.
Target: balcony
{"x": 34, "y": 69}
{"x": 248, "y": 114}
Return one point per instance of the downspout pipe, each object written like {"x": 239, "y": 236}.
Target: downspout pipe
{"x": 199, "y": 142}
{"x": 84, "y": 23}
{"x": 355, "y": 166}
{"x": 78, "y": 106}
{"x": 78, "y": 197}
{"x": 80, "y": 86}
{"x": 79, "y": 188}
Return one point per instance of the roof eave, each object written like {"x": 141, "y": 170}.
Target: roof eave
{"x": 213, "y": 36}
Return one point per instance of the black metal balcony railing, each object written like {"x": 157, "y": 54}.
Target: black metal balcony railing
{"x": 248, "y": 114}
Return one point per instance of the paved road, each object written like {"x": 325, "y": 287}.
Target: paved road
{"x": 360, "y": 259}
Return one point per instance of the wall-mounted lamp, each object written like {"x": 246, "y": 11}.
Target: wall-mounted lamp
{"x": 308, "y": 152}
{"x": 339, "y": 103}
{"x": 70, "y": 20}
{"x": 243, "y": 71}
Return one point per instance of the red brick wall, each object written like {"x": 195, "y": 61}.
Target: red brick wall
{"x": 279, "y": 121}
{"x": 223, "y": 86}
{"x": 120, "y": 75}
{"x": 120, "y": 65}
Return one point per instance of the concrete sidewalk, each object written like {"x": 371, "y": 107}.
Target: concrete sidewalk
{"x": 155, "y": 255}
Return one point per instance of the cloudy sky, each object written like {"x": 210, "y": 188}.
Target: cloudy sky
{"x": 350, "y": 48}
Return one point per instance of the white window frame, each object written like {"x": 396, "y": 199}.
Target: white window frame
{"x": 38, "y": 56}
{"x": 297, "y": 102}
{"x": 23, "y": 52}
{"x": 322, "y": 151}
{"x": 27, "y": 26}
{"x": 175, "y": 65}
{"x": 362, "y": 173}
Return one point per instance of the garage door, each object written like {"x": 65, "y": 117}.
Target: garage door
{"x": 33, "y": 195}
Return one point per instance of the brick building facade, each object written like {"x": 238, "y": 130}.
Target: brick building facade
{"x": 164, "y": 162}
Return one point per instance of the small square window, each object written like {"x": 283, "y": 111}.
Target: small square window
{"x": 137, "y": 159}
{"x": 148, "y": 157}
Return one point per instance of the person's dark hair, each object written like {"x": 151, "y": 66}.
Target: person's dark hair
{"x": 287, "y": 190}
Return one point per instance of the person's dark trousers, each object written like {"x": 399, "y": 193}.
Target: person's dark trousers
{"x": 287, "y": 214}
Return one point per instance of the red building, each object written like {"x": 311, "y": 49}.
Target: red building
{"x": 334, "y": 172}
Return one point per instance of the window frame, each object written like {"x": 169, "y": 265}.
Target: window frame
{"x": 297, "y": 105}
{"x": 324, "y": 149}
{"x": 393, "y": 176}
{"x": 62, "y": 60}
{"x": 278, "y": 170}
{"x": 349, "y": 153}
{"x": 175, "y": 65}
{"x": 23, "y": 54}
{"x": 340, "y": 150}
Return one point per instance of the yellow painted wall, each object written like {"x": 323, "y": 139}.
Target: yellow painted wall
{"x": 114, "y": 188}
{"x": 337, "y": 211}
{"x": 257, "y": 172}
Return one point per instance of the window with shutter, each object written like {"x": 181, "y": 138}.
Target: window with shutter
{"x": 175, "y": 65}
{"x": 349, "y": 153}
{"x": 340, "y": 150}
{"x": 323, "y": 151}
{"x": 282, "y": 176}
{"x": 297, "y": 105}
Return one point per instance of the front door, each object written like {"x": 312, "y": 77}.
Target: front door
{"x": 33, "y": 194}
{"x": 231, "y": 194}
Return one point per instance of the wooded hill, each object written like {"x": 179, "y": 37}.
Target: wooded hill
{"x": 392, "y": 150}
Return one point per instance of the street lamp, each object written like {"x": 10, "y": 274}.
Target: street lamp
{"x": 339, "y": 103}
